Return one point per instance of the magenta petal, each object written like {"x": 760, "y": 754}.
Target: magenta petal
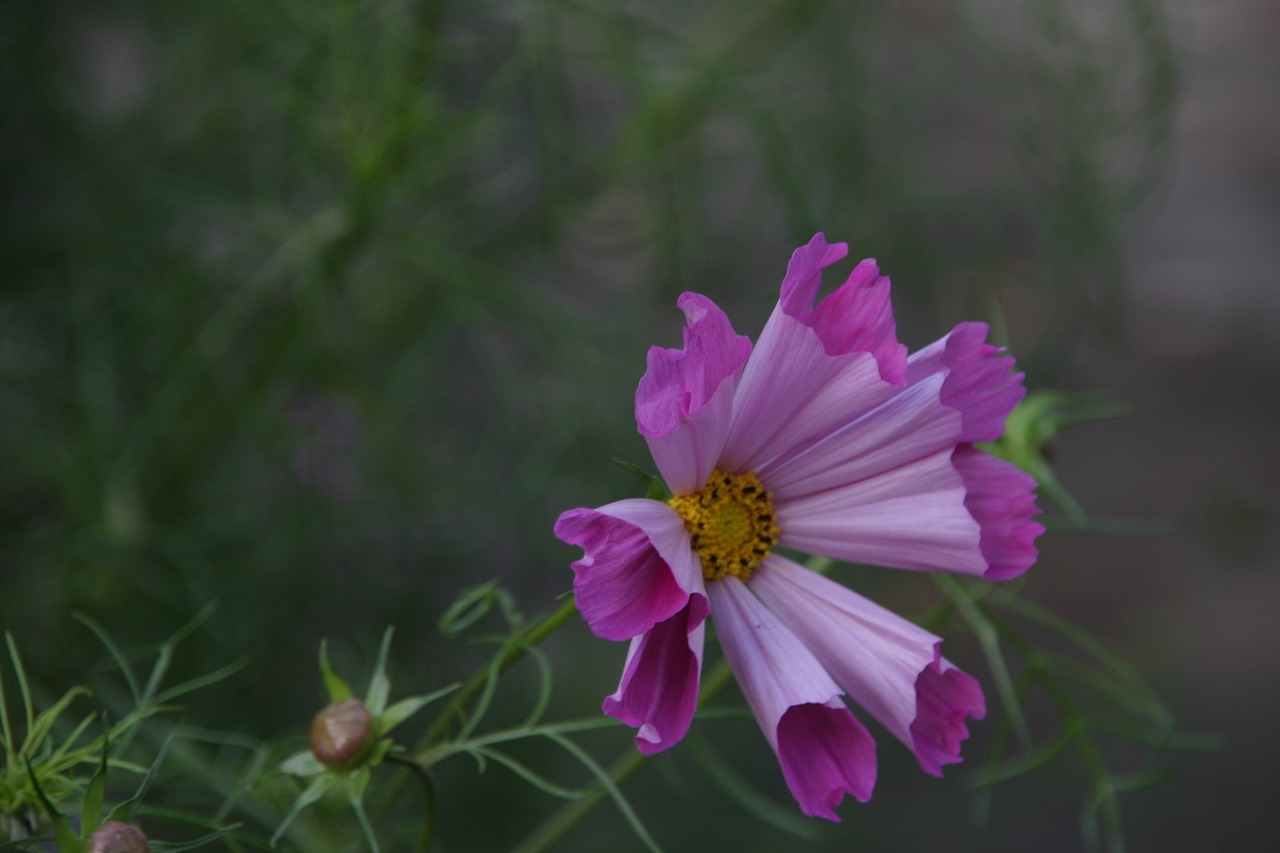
{"x": 637, "y": 568}
{"x": 685, "y": 399}
{"x": 825, "y": 753}
{"x": 659, "y": 689}
{"x": 856, "y": 317}
{"x": 1001, "y": 498}
{"x": 979, "y": 382}
{"x": 795, "y": 702}
{"x": 945, "y": 696}
{"x": 889, "y": 665}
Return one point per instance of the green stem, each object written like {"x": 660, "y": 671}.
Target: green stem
{"x": 544, "y": 628}
{"x": 428, "y": 788}
{"x": 571, "y": 814}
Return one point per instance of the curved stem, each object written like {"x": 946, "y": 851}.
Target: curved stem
{"x": 542, "y": 629}
{"x": 428, "y": 788}
{"x": 627, "y": 763}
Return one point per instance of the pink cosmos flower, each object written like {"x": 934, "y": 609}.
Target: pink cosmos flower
{"x": 826, "y": 438}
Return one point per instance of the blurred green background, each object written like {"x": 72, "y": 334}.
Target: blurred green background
{"x": 324, "y": 310}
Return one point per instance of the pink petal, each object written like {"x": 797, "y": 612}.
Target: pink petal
{"x": 1001, "y": 497}
{"x": 856, "y": 317}
{"x": 888, "y": 665}
{"x": 911, "y": 517}
{"x": 780, "y": 679}
{"x": 911, "y": 424}
{"x": 825, "y": 753}
{"x": 814, "y": 369}
{"x": 979, "y": 382}
{"x": 944, "y": 697}
{"x": 637, "y": 568}
{"x": 659, "y": 689}
{"x": 685, "y": 399}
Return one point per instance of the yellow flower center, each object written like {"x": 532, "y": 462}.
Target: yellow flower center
{"x": 730, "y": 522}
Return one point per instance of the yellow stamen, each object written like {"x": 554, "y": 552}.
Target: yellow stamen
{"x": 730, "y": 522}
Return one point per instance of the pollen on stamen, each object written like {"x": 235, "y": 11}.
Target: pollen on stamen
{"x": 730, "y": 522}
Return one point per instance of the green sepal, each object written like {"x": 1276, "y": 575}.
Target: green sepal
{"x": 302, "y": 763}
{"x": 333, "y": 683}
{"x": 375, "y": 701}
{"x": 655, "y": 489}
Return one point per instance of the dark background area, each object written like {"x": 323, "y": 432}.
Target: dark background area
{"x": 325, "y": 310}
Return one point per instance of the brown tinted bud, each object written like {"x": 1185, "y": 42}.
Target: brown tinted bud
{"x": 341, "y": 733}
{"x": 116, "y": 837}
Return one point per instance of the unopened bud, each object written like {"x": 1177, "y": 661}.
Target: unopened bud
{"x": 116, "y": 837}
{"x": 341, "y": 734}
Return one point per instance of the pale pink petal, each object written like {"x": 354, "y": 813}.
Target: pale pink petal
{"x": 911, "y": 424}
{"x": 637, "y": 567}
{"x": 889, "y": 665}
{"x": 795, "y": 702}
{"x": 911, "y": 517}
{"x": 856, "y": 317}
{"x": 1001, "y": 497}
{"x": 979, "y": 382}
{"x": 815, "y": 369}
{"x": 945, "y": 696}
{"x": 793, "y": 393}
{"x": 659, "y": 689}
{"x": 685, "y": 399}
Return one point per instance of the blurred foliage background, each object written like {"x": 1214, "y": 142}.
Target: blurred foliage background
{"x": 323, "y": 310}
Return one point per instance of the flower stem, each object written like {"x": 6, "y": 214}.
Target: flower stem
{"x": 571, "y": 814}
{"x": 542, "y": 629}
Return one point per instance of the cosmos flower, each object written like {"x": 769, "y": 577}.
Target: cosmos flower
{"x": 826, "y": 438}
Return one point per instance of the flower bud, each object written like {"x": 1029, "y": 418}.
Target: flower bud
{"x": 341, "y": 734}
{"x": 116, "y": 837}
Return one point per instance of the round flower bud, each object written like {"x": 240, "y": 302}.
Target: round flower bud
{"x": 341, "y": 734}
{"x": 116, "y": 837}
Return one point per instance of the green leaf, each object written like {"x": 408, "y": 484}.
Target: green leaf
{"x": 96, "y": 793}
{"x": 195, "y": 843}
{"x": 333, "y": 683}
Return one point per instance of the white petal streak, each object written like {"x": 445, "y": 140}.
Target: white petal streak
{"x": 772, "y": 666}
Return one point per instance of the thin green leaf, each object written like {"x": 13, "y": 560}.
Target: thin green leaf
{"x": 989, "y": 639}
{"x": 96, "y": 793}
{"x": 530, "y": 776}
{"x": 121, "y": 661}
{"x": 194, "y": 844}
{"x": 752, "y": 801}
{"x": 23, "y": 688}
{"x": 46, "y": 719}
{"x": 1025, "y": 762}
{"x": 614, "y": 792}
{"x": 199, "y": 681}
{"x": 64, "y": 835}
{"x": 124, "y": 811}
